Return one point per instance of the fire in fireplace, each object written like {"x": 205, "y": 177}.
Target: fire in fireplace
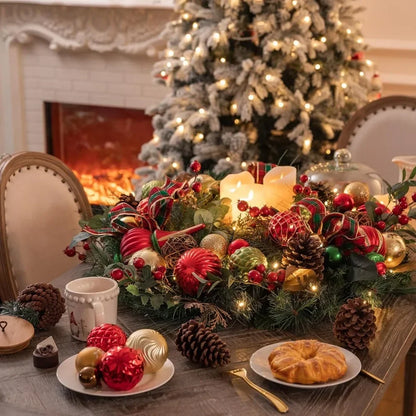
{"x": 100, "y": 145}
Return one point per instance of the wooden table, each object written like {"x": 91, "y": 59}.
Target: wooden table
{"x": 26, "y": 390}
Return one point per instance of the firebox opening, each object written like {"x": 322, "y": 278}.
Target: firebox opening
{"x": 99, "y": 144}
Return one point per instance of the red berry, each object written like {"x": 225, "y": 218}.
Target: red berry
{"x": 117, "y": 274}
{"x": 254, "y": 212}
{"x": 403, "y": 204}
{"x": 403, "y": 219}
{"x": 255, "y": 276}
{"x": 307, "y": 191}
{"x": 82, "y": 256}
{"x": 197, "y": 187}
{"x": 397, "y": 210}
{"x": 161, "y": 269}
{"x": 381, "y": 225}
{"x": 261, "y": 268}
{"x": 70, "y": 252}
{"x": 281, "y": 275}
{"x": 378, "y": 210}
{"x": 403, "y": 199}
{"x": 158, "y": 275}
{"x": 86, "y": 246}
{"x": 265, "y": 212}
{"x": 297, "y": 189}
{"x": 138, "y": 263}
{"x": 271, "y": 286}
{"x": 195, "y": 166}
{"x": 303, "y": 178}
{"x": 242, "y": 205}
{"x": 414, "y": 197}
{"x": 272, "y": 277}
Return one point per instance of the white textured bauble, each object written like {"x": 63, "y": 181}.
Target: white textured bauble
{"x": 154, "y": 348}
{"x": 151, "y": 258}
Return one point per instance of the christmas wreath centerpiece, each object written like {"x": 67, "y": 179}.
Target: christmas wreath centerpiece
{"x": 199, "y": 247}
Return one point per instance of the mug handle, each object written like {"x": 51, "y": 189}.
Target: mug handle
{"x": 98, "y": 313}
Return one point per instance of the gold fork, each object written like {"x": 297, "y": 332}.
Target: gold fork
{"x": 278, "y": 403}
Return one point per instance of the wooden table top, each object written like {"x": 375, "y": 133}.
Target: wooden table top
{"x": 26, "y": 390}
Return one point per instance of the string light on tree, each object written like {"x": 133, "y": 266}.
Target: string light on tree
{"x": 308, "y": 107}
{"x": 317, "y": 67}
{"x": 222, "y": 84}
{"x": 251, "y": 97}
{"x": 198, "y": 138}
{"x": 223, "y": 60}
{"x": 234, "y": 108}
{"x": 170, "y": 53}
{"x": 323, "y": 39}
{"x": 188, "y": 37}
{"x": 344, "y": 85}
{"x": 195, "y": 25}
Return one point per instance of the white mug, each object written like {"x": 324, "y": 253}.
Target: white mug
{"x": 90, "y": 301}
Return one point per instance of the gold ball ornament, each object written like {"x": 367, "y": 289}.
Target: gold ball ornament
{"x": 395, "y": 250}
{"x": 151, "y": 258}
{"x": 88, "y": 357}
{"x": 300, "y": 279}
{"x": 88, "y": 377}
{"x": 216, "y": 243}
{"x": 154, "y": 348}
{"x": 359, "y": 191}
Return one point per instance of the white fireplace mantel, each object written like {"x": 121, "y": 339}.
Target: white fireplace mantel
{"x": 127, "y": 27}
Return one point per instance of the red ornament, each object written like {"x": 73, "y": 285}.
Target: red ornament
{"x": 134, "y": 240}
{"x": 298, "y": 189}
{"x": 307, "y": 191}
{"x": 281, "y": 275}
{"x": 197, "y": 187}
{"x": 403, "y": 219}
{"x": 139, "y": 263}
{"x": 70, "y": 252}
{"x": 403, "y": 205}
{"x": 265, "y": 211}
{"x": 343, "y": 202}
{"x": 236, "y": 244}
{"x": 242, "y": 205}
{"x": 381, "y": 268}
{"x": 122, "y": 367}
{"x": 284, "y": 225}
{"x": 272, "y": 277}
{"x": 106, "y": 336}
{"x": 117, "y": 274}
{"x": 157, "y": 275}
{"x": 254, "y": 212}
{"x": 254, "y": 276}
{"x": 199, "y": 261}
{"x": 303, "y": 178}
{"x": 358, "y": 56}
{"x": 195, "y": 166}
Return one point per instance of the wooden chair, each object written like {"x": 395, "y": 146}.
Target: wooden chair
{"x": 381, "y": 130}
{"x": 41, "y": 203}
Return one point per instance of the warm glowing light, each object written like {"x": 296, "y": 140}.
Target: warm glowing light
{"x": 241, "y": 304}
{"x": 360, "y": 40}
{"x": 368, "y": 62}
{"x": 307, "y": 145}
{"x": 361, "y": 73}
{"x": 163, "y": 73}
{"x": 294, "y": 2}
{"x": 243, "y": 165}
{"x": 314, "y": 288}
{"x": 349, "y": 31}
{"x": 170, "y": 53}
{"x": 188, "y": 37}
{"x": 228, "y": 159}
{"x": 370, "y": 293}
{"x": 178, "y": 120}
{"x": 280, "y": 104}
{"x": 308, "y": 106}
{"x": 156, "y": 138}
{"x": 237, "y": 121}
{"x": 180, "y": 128}
{"x": 175, "y": 165}
{"x": 222, "y": 83}
{"x": 169, "y": 64}
{"x": 186, "y": 16}
{"x": 216, "y": 36}
{"x": 328, "y": 151}
{"x": 268, "y": 77}
{"x": 275, "y": 43}
{"x": 234, "y": 108}
{"x": 195, "y": 25}
{"x": 296, "y": 43}
{"x": 323, "y": 39}
{"x": 251, "y": 97}
{"x": 317, "y": 67}
{"x": 201, "y": 111}
{"x": 198, "y": 50}
{"x": 275, "y": 265}
{"x": 198, "y": 137}
{"x": 344, "y": 85}
{"x": 335, "y": 190}
{"x": 223, "y": 60}
{"x": 307, "y": 19}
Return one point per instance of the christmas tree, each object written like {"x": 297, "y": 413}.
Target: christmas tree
{"x": 267, "y": 80}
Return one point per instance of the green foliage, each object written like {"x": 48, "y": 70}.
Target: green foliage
{"x": 14, "y": 308}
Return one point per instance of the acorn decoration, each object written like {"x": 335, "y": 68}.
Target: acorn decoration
{"x": 202, "y": 346}
{"x": 355, "y": 324}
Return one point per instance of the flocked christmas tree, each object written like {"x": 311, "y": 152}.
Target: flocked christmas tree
{"x": 267, "y": 80}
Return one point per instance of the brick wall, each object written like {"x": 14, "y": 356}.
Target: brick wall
{"x": 108, "y": 79}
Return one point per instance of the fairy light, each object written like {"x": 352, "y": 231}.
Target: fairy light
{"x": 169, "y": 64}
{"x": 251, "y": 97}
{"x": 201, "y": 111}
{"x": 314, "y": 288}
{"x": 156, "y": 138}
{"x": 268, "y": 77}
{"x": 178, "y": 120}
{"x": 369, "y": 62}
{"x": 344, "y": 85}
{"x": 349, "y": 31}
{"x": 180, "y": 128}
{"x": 296, "y": 43}
{"x": 165, "y": 159}
{"x": 223, "y": 60}
{"x": 195, "y": 25}
{"x": 185, "y": 62}
{"x": 175, "y": 165}
{"x": 328, "y": 151}
{"x": 198, "y": 50}
{"x": 186, "y": 16}
{"x": 182, "y": 58}
{"x": 188, "y": 37}
{"x": 243, "y": 165}
{"x": 241, "y": 304}
{"x": 280, "y": 104}
{"x": 275, "y": 43}
{"x": 317, "y": 67}
{"x": 234, "y": 228}
{"x": 308, "y": 106}
{"x": 323, "y": 39}
{"x": 307, "y": 19}
{"x": 163, "y": 73}
{"x": 199, "y": 137}
{"x": 216, "y": 36}
{"x": 370, "y": 293}
{"x": 360, "y": 40}
{"x": 361, "y": 73}
{"x": 275, "y": 265}
{"x": 306, "y": 145}
{"x": 222, "y": 83}
{"x": 170, "y": 53}
{"x": 294, "y": 2}
{"x": 237, "y": 121}
{"x": 228, "y": 159}
{"x": 342, "y": 73}
{"x": 234, "y": 108}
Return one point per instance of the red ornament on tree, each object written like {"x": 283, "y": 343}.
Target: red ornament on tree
{"x": 134, "y": 240}
{"x": 106, "y": 336}
{"x": 284, "y": 225}
{"x": 195, "y": 166}
{"x": 242, "y": 205}
{"x": 236, "y": 244}
{"x": 343, "y": 202}
{"x": 122, "y": 367}
{"x": 117, "y": 274}
{"x": 255, "y": 276}
{"x": 199, "y": 261}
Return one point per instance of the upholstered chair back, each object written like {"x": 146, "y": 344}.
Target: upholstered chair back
{"x": 381, "y": 130}
{"x": 41, "y": 204}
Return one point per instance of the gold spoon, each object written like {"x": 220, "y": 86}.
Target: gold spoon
{"x": 278, "y": 403}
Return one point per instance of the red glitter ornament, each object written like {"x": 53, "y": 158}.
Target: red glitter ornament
{"x": 236, "y": 244}
{"x": 199, "y": 261}
{"x": 122, "y": 367}
{"x": 195, "y": 166}
{"x": 284, "y": 225}
{"x": 106, "y": 336}
{"x": 242, "y": 205}
{"x": 343, "y": 202}
{"x": 254, "y": 212}
{"x": 297, "y": 189}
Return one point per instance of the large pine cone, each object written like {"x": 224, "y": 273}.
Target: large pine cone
{"x": 355, "y": 324}
{"x": 305, "y": 251}
{"x": 44, "y": 299}
{"x": 200, "y": 345}
{"x": 324, "y": 191}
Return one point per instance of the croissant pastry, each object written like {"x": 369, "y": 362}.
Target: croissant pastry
{"x": 307, "y": 362}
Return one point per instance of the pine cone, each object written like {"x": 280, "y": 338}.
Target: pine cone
{"x": 305, "y": 251}
{"x": 355, "y": 324}
{"x": 325, "y": 192}
{"x": 128, "y": 199}
{"x": 44, "y": 299}
{"x": 200, "y": 345}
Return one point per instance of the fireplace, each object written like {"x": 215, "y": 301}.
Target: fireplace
{"x": 100, "y": 144}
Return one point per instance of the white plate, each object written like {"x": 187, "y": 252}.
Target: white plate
{"x": 68, "y": 376}
{"x": 259, "y": 363}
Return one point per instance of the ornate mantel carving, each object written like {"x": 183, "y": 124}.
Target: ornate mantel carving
{"x": 100, "y": 29}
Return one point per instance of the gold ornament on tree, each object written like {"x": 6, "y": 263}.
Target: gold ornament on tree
{"x": 396, "y": 250}
{"x": 359, "y": 191}
{"x": 175, "y": 246}
{"x": 216, "y": 243}
{"x": 300, "y": 279}
{"x": 154, "y": 348}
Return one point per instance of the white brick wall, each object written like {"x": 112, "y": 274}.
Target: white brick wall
{"x": 110, "y": 79}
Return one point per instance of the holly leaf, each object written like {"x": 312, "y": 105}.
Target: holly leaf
{"x": 144, "y": 299}
{"x": 399, "y": 190}
{"x": 413, "y": 173}
{"x": 156, "y": 301}
{"x": 133, "y": 289}
{"x": 370, "y": 206}
{"x": 362, "y": 268}
{"x": 203, "y": 216}
{"x": 412, "y": 213}
{"x": 213, "y": 286}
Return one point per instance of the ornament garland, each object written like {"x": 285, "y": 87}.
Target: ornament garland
{"x": 176, "y": 253}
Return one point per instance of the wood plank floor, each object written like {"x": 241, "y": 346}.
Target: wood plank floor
{"x": 392, "y": 402}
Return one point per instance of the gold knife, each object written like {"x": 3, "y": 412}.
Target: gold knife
{"x": 368, "y": 374}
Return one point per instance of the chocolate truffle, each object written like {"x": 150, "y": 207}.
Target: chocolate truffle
{"x": 45, "y": 356}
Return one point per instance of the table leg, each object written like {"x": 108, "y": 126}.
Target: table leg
{"x": 410, "y": 382}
